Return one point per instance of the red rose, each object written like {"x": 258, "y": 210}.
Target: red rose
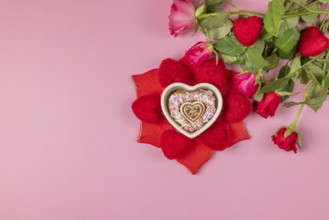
{"x": 246, "y": 84}
{"x": 268, "y": 105}
{"x": 286, "y": 143}
{"x": 182, "y": 17}
{"x": 199, "y": 53}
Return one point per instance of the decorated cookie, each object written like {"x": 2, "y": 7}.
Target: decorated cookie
{"x": 192, "y": 109}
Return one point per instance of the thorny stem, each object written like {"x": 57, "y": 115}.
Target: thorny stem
{"x": 323, "y": 21}
{"x": 306, "y": 13}
{"x": 247, "y": 12}
{"x": 325, "y": 64}
{"x": 233, "y": 5}
{"x": 301, "y": 8}
{"x": 231, "y": 13}
{"x": 290, "y": 74}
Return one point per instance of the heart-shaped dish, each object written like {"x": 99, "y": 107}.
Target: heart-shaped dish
{"x": 196, "y": 109}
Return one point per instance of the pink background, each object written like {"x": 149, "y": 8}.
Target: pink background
{"x": 67, "y": 134}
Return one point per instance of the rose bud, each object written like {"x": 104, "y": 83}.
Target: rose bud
{"x": 268, "y": 105}
{"x": 286, "y": 142}
{"x": 182, "y": 17}
{"x": 245, "y": 84}
{"x": 199, "y": 53}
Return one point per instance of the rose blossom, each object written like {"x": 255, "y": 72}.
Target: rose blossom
{"x": 199, "y": 53}
{"x": 246, "y": 84}
{"x": 182, "y": 17}
{"x": 268, "y": 105}
{"x": 286, "y": 143}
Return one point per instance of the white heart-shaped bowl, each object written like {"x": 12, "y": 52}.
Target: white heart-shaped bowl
{"x": 181, "y": 86}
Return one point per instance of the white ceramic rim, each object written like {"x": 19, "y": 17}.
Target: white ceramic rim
{"x": 177, "y": 86}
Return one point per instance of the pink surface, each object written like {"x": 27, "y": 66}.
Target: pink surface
{"x": 67, "y": 134}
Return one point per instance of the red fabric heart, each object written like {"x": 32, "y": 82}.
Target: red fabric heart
{"x": 218, "y": 136}
{"x": 148, "y": 109}
{"x": 247, "y": 30}
{"x": 197, "y": 153}
{"x": 312, "y": 42}
{"x": 216, "y": 74}
{"x": 236, "y": 108}
{"x": 171, "y": 71}
{"x": 174, "y": 144}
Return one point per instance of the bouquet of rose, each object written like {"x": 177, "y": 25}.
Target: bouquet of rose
{"x": 291, "y": 31}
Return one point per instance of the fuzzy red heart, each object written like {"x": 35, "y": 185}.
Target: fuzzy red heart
{"x": 312, "y": 42}
{"x": 247, "y": 30}
{"x": 148, "y": 109}
{"x": 236, "y": 108}
{"x": 218, "y": 136}
{"x": 174, "y": 144}
{"x": 171, "y": 71}
{"x": 216, "y": 74}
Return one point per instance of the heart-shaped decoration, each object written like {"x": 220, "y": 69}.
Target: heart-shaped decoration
{"x": 247, "y": 30}
{"x": 312, "y": 42}
{"x": 191, "y": 109}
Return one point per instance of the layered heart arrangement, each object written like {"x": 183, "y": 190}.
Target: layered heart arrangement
{"x": 191, "y": 109}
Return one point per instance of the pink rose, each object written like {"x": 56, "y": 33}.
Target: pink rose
{"x": 268, "y": 105}
{"x": 199, "y": 53}
{"x": 246, "y": 84}
{"x": 182, "y": 17}
{"x": 286, "y": 143}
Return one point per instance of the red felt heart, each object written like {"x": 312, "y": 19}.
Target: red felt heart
{"x": 148, "y": 109}
{"x": 236, "y": 108}
{"x": 247, "y": 30}
{"x": 171, "y": 71}
{"x": 312, "y": 42}
{"x": 174, "y": 144}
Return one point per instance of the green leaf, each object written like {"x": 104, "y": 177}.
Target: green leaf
{"x": 295, "y": 68}
{"x": 214, "y": 21}
{"x": 292, "y": 21}
{"x": 315, "y": 96}
{"x": 324, "y": 1}
{"x": 273, "y": 61}
{"x": 275, "y": 85}
{"x": 260, "y": 45}
{"x": 254, "y": 60}
{"x": 284, "y": 71}
{"x": 220, "y": 32}
{"x": 230, "y": 59}
{"x": 304, "y": 79}
{"x": 288, "y": 89}
{"x": 291, "y": 104}
{"x": 258, "y": 95}
{"x": 273, "y": 17}
{"x": 229, "y": 46}
{"x": 212, "y": 5}
{"x": 200, "y": 10}
{"x": 314, "y": 72}
{"x": 287, "y": 42}
{"x": 325, "y": 27}
{"x": 265, "y": 35}
{"x": 311, "y": 19}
